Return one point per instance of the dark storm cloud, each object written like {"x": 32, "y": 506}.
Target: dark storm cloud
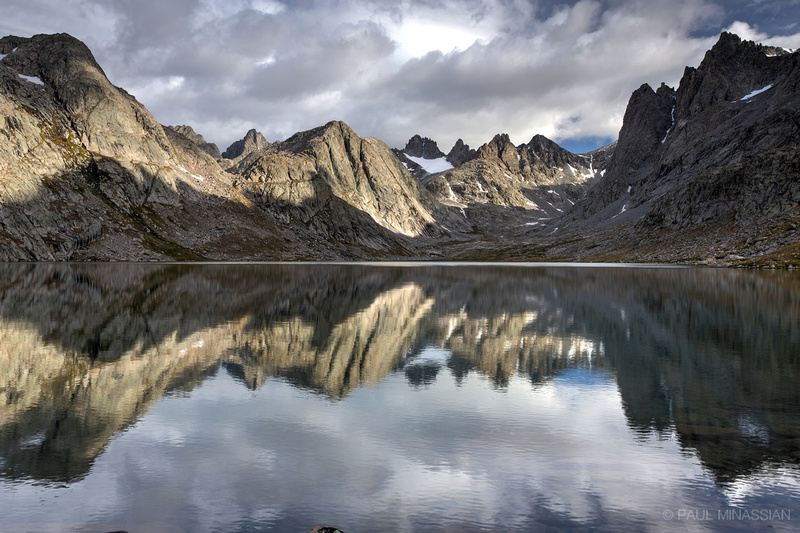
{"x": 392, "y": 68}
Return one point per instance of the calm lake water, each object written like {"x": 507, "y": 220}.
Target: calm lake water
{"x": 180, "y": 397}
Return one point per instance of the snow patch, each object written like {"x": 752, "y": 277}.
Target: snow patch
{"x": 432, "y": 166}
{"x": 672, "y": 113}
{"x": 32, "y": 79}
{"x": 509, "y": 176}
{"x": 756, "y": 92}
{"x": 785, "y": 50}
{"x": 195, "y": 176}
{"x": 452, "y": 194}
{"x": 629, "y": 189}
{"x": 592, "y": 171}
{"x": 480, "y": 187}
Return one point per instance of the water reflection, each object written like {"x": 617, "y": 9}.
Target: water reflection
{"x": 711, "y": 356}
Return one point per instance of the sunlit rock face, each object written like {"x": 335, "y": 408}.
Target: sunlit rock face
{"x": 502, "y": 174}
{"x": 509, "y": 191}
{"x": 95, "y": 176}
{"x": 188, "y": 132}
{"x": 252, "y": 143}
{"x": 313, "y": 168}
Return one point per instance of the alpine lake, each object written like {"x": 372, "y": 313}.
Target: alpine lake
{"x": 398, "y": 397}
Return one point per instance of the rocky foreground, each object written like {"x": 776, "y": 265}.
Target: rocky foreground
{"x": 706, "y": 173}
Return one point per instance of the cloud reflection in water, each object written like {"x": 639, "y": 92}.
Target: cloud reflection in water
{"x": 202, "y": 397}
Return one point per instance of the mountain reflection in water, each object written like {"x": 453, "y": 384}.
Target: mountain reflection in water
{"x": 87, "y": 349}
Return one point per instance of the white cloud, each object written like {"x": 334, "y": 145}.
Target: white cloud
{"x": 571, "y": 75}
{"x": 416, "y": 37}
{"x": 747, "y": 32}
{"x": 392, "y": 68}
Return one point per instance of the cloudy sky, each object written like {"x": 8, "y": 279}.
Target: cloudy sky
{"x": 445, "y": 69}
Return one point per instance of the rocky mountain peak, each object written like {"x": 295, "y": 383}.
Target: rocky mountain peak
{"x": 460, "y": 154}
{"x": 730, "y": 70}
{"x": 93, "y": 175}
{"x": 56, "y": 58}
{"x": 542, "y": 155}
{"x": 731, "y": 51}
{"x": 99, "y": 112}
{"x": 422, "y": 147}
{"x": 253, "y": 141}
{"x": 689, "y": 164}
{"x": 648, "y": 119}
{"x": 547, "y": 150}
{"x": 501, "y": 147}
{"x": 314, "y": 174}
{"x": 188, "y": 132}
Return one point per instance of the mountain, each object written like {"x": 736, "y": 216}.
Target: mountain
{"x": 188, "y": 132}
{"x": 460, "y": 153}
{"x": 95, "y": 176}
{"x": 253, "y": 141}
{"x": 422, "y": 147}
{"x": 344, "y": 187}
{"x": 422, "y": 157}
{"x": 703, "y": 172}
{"x": 503, "y": 188}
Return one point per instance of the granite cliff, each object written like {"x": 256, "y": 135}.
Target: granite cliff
{"x": 331, "y": 167}
{"x": 88, "y": 172}
{"x": 707, "y": 172}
